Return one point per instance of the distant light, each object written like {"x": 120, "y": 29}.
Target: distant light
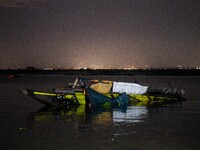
{"x": 48, "y": 68}
{"x": 127, "y": 68}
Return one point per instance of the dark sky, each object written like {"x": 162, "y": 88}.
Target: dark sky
{"x": 99, "y": 33}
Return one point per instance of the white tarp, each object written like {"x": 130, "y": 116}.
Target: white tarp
{"x": 129, "y": 88}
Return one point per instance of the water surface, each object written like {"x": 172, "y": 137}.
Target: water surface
{"x": 28, "y": 125}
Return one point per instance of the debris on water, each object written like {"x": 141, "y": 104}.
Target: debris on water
{"x": 22, "y": 129}
{"x": 11, "y": 76}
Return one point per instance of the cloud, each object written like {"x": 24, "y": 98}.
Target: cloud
{"x": 18, "y": 3}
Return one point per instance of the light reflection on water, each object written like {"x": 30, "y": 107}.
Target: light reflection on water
{"x": 82, "y": 116}
{"x": 97, "y": 115}
{"x": 69, "y": 115}
{"x": 131, "y": 115}
{"x": 81, "y": 120}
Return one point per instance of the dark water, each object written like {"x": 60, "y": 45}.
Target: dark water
{"x": 26, "y": 125}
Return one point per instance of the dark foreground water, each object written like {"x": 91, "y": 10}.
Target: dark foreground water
{"x": 26, "y": 125}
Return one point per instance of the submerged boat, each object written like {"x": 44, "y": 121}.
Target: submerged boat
{"x": 101, "y": 93}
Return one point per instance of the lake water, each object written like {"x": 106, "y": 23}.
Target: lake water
{"x": 26, "y": 125}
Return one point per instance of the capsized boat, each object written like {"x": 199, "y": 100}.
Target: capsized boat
{"x": 101, "y": 93}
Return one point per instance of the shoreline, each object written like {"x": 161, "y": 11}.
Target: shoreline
{"x": 148, "y": 72}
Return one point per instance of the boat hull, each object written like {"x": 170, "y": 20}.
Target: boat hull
{"x": 63, "y": 98}
{"x": 56, "y": 99}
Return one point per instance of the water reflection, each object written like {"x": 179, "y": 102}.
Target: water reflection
{"x": 131, "y": 115}
{"x": 70, "y": 114}
{"x": 96, "y": 115}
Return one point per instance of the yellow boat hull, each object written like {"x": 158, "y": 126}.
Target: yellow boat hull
{"x": 79, "y": 97}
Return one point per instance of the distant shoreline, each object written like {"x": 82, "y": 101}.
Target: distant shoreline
{"x": 150, "y": 72}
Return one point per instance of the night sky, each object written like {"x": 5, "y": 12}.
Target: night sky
{"x": 99, "y": 33}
